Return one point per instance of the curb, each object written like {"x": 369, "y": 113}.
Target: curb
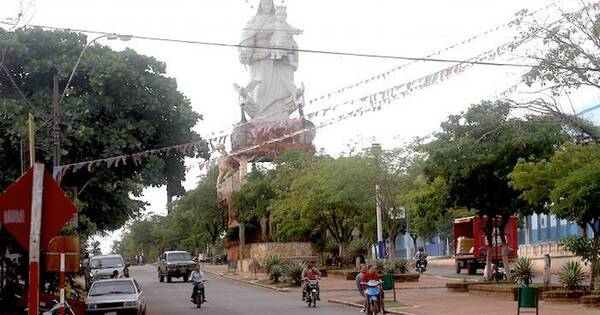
{"x": 342, "y": 302}
{"x": 265, "y": 286}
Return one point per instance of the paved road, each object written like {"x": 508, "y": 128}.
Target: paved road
{"x": 224, "y": 298}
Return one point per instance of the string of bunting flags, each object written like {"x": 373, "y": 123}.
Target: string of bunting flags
{"x": 135, "y": 158}
{"x": 369, "y": 103}
{"x": 219, "y": 136}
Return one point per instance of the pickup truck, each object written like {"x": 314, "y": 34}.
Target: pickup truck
{"x": 175, "y": 264}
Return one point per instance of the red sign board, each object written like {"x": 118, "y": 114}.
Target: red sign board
{"x": 15, "y": 209}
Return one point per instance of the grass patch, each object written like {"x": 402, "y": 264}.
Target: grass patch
{"x": 513, "y": 285}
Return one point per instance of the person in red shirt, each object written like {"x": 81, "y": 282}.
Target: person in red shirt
{"x": 372, "y": 274}
{"x": 310, "y": 274}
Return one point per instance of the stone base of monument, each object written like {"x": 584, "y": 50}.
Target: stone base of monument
{"x": 266, "y": 141}
{"x": 302, "y": 251}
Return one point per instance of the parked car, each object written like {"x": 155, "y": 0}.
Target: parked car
{"x": 103, "y": 267}
{"x": 119, "y": 296}
{"x": 175, "y": 264}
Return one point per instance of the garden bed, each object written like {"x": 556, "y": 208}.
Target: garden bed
{"x": 591, "y": 300}
{"x": 563, "y": 296}
{"x": 506, "y": 291}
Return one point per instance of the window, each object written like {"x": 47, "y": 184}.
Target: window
{"x": 108, "y": 262}
{"x": 179, "y": 257}
{"x": 112, "y": 287}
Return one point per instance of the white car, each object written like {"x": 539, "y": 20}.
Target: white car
{"x": 115, "y": 296}
{"x": 104, "y": 266}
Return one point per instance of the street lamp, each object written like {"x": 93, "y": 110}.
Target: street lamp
{"x": 112, "y": 36}
{"x": 56, "y": 100}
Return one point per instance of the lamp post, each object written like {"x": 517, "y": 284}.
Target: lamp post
{"x": 56, "y": 100}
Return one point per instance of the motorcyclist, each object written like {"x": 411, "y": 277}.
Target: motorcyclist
{"x": 197, "y": 276}
{"x": 421, "y": 257}
{"x": 310, "y": 273}
{"x": 372, "y": 275}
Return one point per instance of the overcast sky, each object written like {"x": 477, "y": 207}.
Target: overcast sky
{"x": 389, "y": 27}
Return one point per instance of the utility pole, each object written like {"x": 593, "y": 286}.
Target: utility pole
{"x": 56, "y": 126}
{"x": 37, "y": 192}
{"x": 379, "y": 226}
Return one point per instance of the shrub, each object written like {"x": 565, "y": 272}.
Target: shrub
{"x": 359, "y": 247}
{"x": 400, "y": 265}
{"x": 572, "y": 275}
{"x": 275, "y": 273}
{"x": 523, "y": 270}
{"x": 271, "y": 261}
{"x": 293, "y": 270}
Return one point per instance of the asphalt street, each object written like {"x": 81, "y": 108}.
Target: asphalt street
{"x": 224, "y": 297}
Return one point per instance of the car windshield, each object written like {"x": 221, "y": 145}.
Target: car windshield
{"x": 112, "y": 262}
{"x": 112, "y": 287}
{"x": 178, "y": 257}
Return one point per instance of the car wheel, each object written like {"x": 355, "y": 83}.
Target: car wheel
{"x": 185, "y": 278}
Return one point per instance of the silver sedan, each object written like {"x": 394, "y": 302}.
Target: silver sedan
{"x": 115, "y": 296}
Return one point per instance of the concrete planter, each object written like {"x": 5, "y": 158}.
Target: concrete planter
{"x": 560, "y": 296}
{"x": 591, "y": 300}
{"x": 406, "y": 277}
{"x": 489, "y": 289}
{"x": 457, "y": 286}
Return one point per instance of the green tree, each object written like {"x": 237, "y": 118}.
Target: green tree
{"x": 118, "y": 103}
{"x": 476, "y": 151}
{"x": 334, "y": 195}
{"x": 252, "y": 201}
{"x": 568, "y": 186}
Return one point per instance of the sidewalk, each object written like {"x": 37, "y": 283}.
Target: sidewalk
{"x": 426, "y": 297}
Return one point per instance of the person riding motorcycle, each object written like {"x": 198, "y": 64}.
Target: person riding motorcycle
{"x": 310, "y": 273}
{"x": 372, "y": 275}
{"x": 421, "y": 257}
{"x": 197, "y": 276}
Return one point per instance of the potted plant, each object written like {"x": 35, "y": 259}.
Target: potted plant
{"x": 527, "y": 297}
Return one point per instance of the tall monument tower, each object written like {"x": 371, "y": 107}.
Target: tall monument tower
{"x": 271, "y": 105}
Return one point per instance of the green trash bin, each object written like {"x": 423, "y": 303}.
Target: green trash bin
{"x": 527, "y": 298}
{"x": 388, "y": 282}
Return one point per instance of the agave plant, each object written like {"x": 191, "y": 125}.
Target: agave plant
{"x": 331, "y": 246}
{"x": 293, "y": 270}
{"x": 275, "y": 273}
{"x": 523, "y": 270}
{"x": 572, "y": 275}
{"x": 272, "y": 261}
{"x": 400, "y": 265}
{"x": 359, "y": 247}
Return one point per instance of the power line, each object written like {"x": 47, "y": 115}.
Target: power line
{"x": 314, "y": 51}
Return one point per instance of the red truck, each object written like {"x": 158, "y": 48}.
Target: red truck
{"x": 470, "y": 243}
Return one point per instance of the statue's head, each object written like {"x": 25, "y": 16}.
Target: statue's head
{"x": 281, "y": 13}
{"x": 266, "y": 7}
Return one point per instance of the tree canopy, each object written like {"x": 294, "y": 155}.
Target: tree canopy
{"x": 119, "y": 102}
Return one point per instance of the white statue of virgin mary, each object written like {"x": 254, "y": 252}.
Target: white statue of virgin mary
{"x": 271, "y": 86}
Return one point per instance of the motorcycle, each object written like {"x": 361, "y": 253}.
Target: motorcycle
{"x": 199, "y": 299}
{"x": 312, "y": 292}
{"x": 420, "y": 266}
{"x": 373, "y": 295}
